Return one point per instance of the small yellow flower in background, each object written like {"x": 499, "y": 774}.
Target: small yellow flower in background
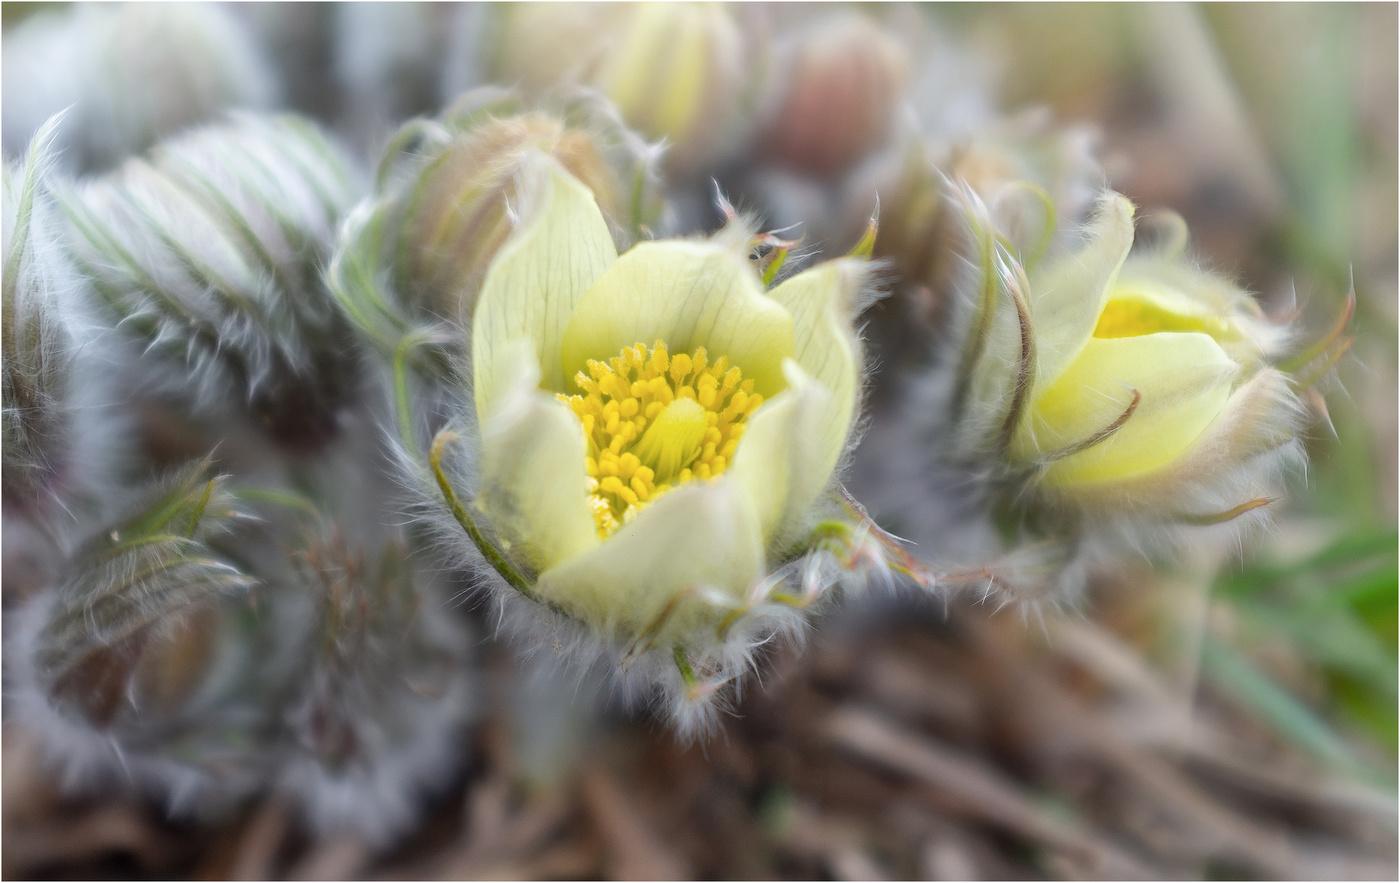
{"x": 1129, "y": 385}
{"x": 677, "y": 71}
{"x": 655, "y": 428}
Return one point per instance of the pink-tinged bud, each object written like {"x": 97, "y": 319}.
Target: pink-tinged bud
{"x": 834, "y": 96}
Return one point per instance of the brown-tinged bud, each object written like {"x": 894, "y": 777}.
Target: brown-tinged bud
{"x": 460, "y": 211}
{"x": 414, "y": 254}
{"x": 833, "y": 96}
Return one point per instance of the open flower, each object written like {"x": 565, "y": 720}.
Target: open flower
{"x": 654, "y": 428}
{"x": 1135, "y": 386}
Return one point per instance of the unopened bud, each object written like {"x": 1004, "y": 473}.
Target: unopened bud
{"x": 834, "y": 97}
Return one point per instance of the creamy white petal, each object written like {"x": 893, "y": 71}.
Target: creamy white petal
{"x": 822, "y": 302}
{"x": 702, "y": 535}
{"x": 533, "y": 480}
{"x": 687, "y": 294}
{"x": 787, "y": 454}
{"x": 539, "y": 276}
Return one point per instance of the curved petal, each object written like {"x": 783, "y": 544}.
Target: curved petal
{"x": 700, "y": 536}
{"x": 688, "y": 294}
{"x": 533, "y": 478}
{"x": 537, "y": 278}
{"x": 822, "y": 302}
{"x": 1262, "y": 419}
{"x": 1183, "y": 380}
{"x": 1068, "y": 296}
{"x": 787, "y": 454}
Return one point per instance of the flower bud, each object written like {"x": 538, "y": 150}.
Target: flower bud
{"x": 413, "y": 256}
{"x": 1034, "y": 176}
{"x": 132, "y": 73}
{"x": 208, "y": 255}
{"x": 458, "y": 213}
{"x": 677, "y": 71}
{"x": 833, "y": 99}
{"x": 37, "y": 348}
{"x": 1127, "y": 389}
{"x": 120, "y": 666}
{"x": 379, "y": 689}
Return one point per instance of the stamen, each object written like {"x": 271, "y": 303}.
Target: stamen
{"x": 655, "y": 421}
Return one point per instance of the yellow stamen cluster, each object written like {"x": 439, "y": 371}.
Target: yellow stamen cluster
{"x": 655, "y": 421}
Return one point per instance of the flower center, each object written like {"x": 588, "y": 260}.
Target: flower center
{"x": 655, "y": 421}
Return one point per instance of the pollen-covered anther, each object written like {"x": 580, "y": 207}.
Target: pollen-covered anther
{"x": 655, "y": 421}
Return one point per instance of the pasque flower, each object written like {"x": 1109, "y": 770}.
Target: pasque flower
{"x": 1128, "y": 385}
{"x": 678, "y": 71}
{"x": 655, "y": 427}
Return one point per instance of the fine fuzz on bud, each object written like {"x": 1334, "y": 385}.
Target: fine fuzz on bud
{"x": 1126, "y": 390}
{"x": 131, "y": 73}
{"x": 381, "y": 690}
{"x": 1034, "y": 177}
{"x": 209, "y": 255}
{"x": 117, "y": 668}
{"x": 36, "y": 345}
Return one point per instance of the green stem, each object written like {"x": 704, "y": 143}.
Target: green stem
{"x": 492, "y": 555}
{"x": 401, "y": 408}
{"x": 687, "y": 673}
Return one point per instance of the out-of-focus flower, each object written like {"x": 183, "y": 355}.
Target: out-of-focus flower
{"x": 655, "y": 428}
{"x": 832, "y": 98}
{"x": 1034, "y": 176}
{"x": 1127, "y": 388}
{"x": 210, "y": 254}
{"x": 678, "y": 71}
{"x": 132, "y": 73}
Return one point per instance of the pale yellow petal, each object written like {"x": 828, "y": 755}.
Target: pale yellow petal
{"x": 560, "y": 247}
{"x": 1261, "y": 419}
{"x": 1068, "y": 295}
{"x": 533, "y": 478}
{"x": 822, "y": 302}
{"x": 687, "y": 294}
{"x": 787, "y": 454}
{"x": 1184, "y": 381}
{"x": 700, "y": 538}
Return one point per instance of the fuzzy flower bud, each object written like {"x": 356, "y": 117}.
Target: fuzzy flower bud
{"x": 1127, "y": 388}
{"x": 834, "y": 97}
{"x": 36, "y": 347}
{"x": 1032, "y": 174}
{"x": 412, "y": 257}
{"x": 119, "y": 667}
{"x": 656, "y": 429}
{"x": 677, "y": 71}
{"x": 132, "y": 73}
{"x": 380, "y": 690}
{"x": 209, "y": 255}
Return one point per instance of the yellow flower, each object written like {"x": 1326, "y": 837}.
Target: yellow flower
{"x": 654, "y": 426}
{"x": 1134, "y": 383}
{"x": 677, "y": 71}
